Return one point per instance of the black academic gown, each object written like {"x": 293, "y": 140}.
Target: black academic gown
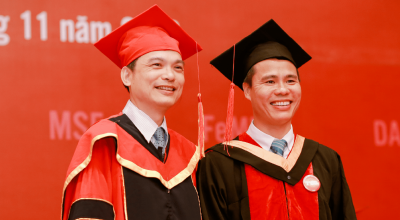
{"x": 146, "y": 198}
{"x": 223, "y": 184}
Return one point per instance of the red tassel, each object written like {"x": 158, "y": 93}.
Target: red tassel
{"x": 200, "y": 134}
{"x": 200, "y": 137}
{"x": 229, "y": 116}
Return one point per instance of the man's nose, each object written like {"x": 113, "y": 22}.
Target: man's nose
{"x": 168, "y": 74}
{"x": 281, "y": 89}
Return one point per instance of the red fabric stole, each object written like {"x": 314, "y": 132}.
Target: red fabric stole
{"x": 102, "y": 179}
{"x": 267, "y": 198}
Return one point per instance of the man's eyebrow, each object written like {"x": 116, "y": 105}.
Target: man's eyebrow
{"x": 163, "y": 60}
{"x": 291, "y": 76}
{"x": 180, "y": 61}
{"x": 268, "y": 77}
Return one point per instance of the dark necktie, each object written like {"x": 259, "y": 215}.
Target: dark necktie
{"x": 159, "y": 140}
{"x": 278, "y": 146}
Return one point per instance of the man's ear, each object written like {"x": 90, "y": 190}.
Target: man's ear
{"x": 126, "y": 75}
{"x": 246, "y": 90}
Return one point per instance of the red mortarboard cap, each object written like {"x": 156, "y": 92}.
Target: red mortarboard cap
{"x": 152, "y": 30}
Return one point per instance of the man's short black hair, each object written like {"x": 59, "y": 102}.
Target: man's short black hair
{"x": 131, "y": 66}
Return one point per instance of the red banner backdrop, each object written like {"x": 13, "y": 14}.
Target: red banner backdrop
{"x": 55, "y": 84}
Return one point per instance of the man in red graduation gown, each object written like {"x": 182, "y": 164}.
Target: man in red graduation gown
{"x": 130, "y": 165}
{"x": 269, "y": 172}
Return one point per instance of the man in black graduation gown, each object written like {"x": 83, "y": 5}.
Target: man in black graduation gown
{"x": 269, "y": 172}
{"x": 130, "y": 165}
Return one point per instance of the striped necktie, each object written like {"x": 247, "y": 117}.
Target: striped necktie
{"x": 159, "y": 139}
{"x": 278, "y": 146}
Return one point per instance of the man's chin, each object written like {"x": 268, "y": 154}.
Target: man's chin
{"x": 165, "y": 103}
{"x": 281, "y": 119}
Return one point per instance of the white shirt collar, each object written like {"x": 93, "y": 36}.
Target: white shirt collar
{"x": 265, "y": 140}
{"x": 142, "y": 121}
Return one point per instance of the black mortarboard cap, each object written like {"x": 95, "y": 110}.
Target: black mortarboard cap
{"x": 268, "y": 41}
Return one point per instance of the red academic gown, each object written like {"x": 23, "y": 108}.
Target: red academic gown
{"x": 115, "y": 174}
{"x": 252, "y": 183}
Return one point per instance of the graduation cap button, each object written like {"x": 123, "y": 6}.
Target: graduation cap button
{"x": 311, "y": 183}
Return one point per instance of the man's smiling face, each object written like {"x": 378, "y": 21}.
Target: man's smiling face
{"x": 157, "y": 80}
{"x": 275, "y": 93}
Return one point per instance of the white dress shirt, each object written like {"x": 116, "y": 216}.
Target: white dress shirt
{"x": 265, "y": 140}
{"x": 143, "y": 122}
